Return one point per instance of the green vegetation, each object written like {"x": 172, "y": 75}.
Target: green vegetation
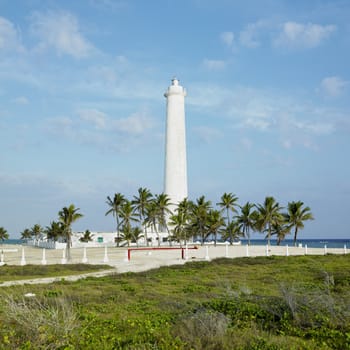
{"x": 11, "y": 273}
{"x": 3, "y": 234}
{"x": 246, "y": 303}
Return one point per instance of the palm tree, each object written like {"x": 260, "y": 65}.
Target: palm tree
{"x": 140, "y": 204}
{"x": 179, "y": 222}
{"x": 126, "y": 234}
{"x": 127, "y": 216}
{"x": 115, "y": 207}
{"x": 280, "y": 229}
{"x": 137, "y": 234}
{"x": 185, "y": 207}
{"x": 151, "y": 218}
{"x": 231, "y": 232}
{"x": 67, "y": 216}
{"x": 214, "y": 223}
{"x": 268, "y": 215}
{"x": 228, "y": 203}
{"x": 26, "y": 234}
{"x": 163, "y": 202}
{"x": 55, "y": 230}
{"x": 297, "y": 215}
{"x": 37, "y": 230}
{"x": 246, "y": 220}
{"x": 3, "y": 234}
{"x": 86, "y": 237}
{"x": 199, "y": 216}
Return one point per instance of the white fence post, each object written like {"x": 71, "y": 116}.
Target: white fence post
{"x": 105, "y": 258}
{"x": 325, "y": 249}
{"x": 207, "y": 253}
{"x": 287, "y": 250}
{"x": 23, "y": 259}
{"x": 2, "y": 259}
{"x": 84, "y": 260}
{"x": 43, "y": 261}
{"x": 226, "y": 250}
{"x": 305, "y": 249}
{"x": 64, "y": 259}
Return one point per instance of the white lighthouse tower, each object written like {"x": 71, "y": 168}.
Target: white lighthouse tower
{"x": 175, "y": 177}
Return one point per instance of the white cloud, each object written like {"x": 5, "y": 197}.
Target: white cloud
{"x": 246, "y": 143}
{"x": 60, "y": 126}
{"x": 97, "y": 118}
{"x": 227, "y": 38}
{"x": 333, "y": 86}
{"x": 135, "y": 124}
{"x": 301, "y": 35}
{"x": 250, "y": 36}
{"x": 207, "y": 134}
{"x": 9, "y": 36}
{"x": 61, "y": 32}
{"x": 21, "y": 100}
{"x": 256, "y": 123}
{"x": 214, "y": 64}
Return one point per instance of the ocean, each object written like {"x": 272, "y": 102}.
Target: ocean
{"x": 311, "y": 243}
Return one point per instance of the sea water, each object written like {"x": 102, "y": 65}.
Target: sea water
{"x": 311, "y": 243}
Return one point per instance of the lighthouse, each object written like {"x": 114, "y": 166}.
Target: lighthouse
{"x": 175, "y": 174}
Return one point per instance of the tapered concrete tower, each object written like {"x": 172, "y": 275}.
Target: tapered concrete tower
{"x": 175, "y": 177}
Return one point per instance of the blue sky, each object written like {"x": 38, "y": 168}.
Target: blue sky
{"x": 82, "y": 112}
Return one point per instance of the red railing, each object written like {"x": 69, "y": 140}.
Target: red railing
{"x": 183, "y": 249}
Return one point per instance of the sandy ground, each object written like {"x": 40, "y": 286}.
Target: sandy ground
{"x": 140, "y": 260}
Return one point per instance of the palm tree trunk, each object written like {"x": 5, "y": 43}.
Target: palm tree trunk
{"x": 68, "y": 245}
{"x": 118, "y": 233}
{"x": 295, "y": 236}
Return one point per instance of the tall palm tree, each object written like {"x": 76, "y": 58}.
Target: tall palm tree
{"x": 26, "y": 234}
{"x": 214, "y": 223}
{"x": 199, "y": 216}
{"x": 179, "y": 222}
{"x": 140, "y": 203}
{"x": 151, "y": 217}
{"x": 185, "y": 207}
{"x": 115, "y": 207}
{"x": 127, "y": 215}
{"x": 178, "y": 227}
{"x": 3, "y": 234}
{"x": 246, "y": 220}
{"x": 67, "y": 216}
{"x": 296, "y": 216}
{"x": 163, "y": 203}
{"x": 269, "y": 214}
{"x": 228, "y": 203}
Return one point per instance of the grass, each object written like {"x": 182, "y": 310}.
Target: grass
{"x": 14, "y": 273}
{"x": 245, "y": 303}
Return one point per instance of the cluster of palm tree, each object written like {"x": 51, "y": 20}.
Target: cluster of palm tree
{"x": 144, "y": 213}
{"x": 199, "y": 220}
{"x": 62, "y": 228}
